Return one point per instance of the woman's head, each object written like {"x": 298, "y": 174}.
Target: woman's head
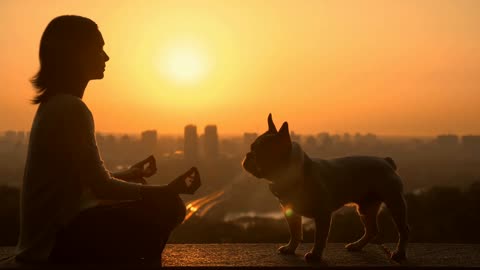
{"x": 71, "y": 52}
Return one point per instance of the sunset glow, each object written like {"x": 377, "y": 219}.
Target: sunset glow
{"x": 386, "y": 67}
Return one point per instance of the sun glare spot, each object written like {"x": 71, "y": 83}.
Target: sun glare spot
{"x": 183, "y": 64}
{"x": 288, "y": 212}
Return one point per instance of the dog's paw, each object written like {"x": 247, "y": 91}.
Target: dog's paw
{"x": 287, "y": 250}
{"x": 398, "y": 256}
{"x": 354, "y": 246}
{"x": 311, "y": 257}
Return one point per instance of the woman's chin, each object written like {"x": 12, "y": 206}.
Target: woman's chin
{"x": 98, "y": 76}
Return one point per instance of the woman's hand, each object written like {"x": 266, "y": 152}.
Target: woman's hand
{"x": 139, "y": 170}
{"x": 187, "y": 183}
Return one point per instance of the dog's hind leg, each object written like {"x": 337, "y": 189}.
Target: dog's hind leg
{"x": 368, "y": 215}
{"x": 398, "y": 209}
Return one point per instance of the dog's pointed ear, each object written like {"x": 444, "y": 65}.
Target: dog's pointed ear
{"x": 271, "y": 125}
{"x": 284, "y": 132}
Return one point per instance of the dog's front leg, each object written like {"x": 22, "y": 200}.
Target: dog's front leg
{"x": 296, "y": 232}
{"x": 322, "y": 228}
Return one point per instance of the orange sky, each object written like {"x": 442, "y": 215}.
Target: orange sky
{"x": 402, "y": 67}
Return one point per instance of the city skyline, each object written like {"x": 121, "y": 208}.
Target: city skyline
{"x": 211, "y": 136}
{"x": 139, "y": 134}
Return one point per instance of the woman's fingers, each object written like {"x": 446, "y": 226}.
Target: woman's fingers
{"x": 151, "y": 168}
{"x": 140, "y": 164}
{"x": 194, "y": 182}
{"x": 188, "y": 172}
{"x": 188, "y": 182}
{"x": 151, "y": 161}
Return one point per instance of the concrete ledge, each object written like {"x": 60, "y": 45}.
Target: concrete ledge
{"x": 265, "y": 255}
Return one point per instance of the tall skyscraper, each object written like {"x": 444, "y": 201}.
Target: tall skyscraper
{"x": 149, "y": 139}
{"x": 211, "y": 142}
{"x": 190, "y": 148}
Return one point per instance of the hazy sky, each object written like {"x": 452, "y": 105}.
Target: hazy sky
{"x": 406, "y": 67}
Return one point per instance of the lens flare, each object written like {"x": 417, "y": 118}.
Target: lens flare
{"x": 207, "y": 202}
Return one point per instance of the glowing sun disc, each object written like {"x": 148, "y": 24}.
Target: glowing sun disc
{"x": 184, "y": 65}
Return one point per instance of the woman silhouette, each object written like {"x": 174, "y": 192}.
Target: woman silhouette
{"x": 63, "y": 218}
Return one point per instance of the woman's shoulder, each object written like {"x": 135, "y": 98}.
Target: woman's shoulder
{"x": 66, "y": 103}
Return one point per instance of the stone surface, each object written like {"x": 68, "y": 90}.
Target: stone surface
{"x": 264, "y": 255}
{"x": 419, "y": 254}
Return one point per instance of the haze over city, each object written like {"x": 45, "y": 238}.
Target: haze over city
{"x": 386, "y": 67}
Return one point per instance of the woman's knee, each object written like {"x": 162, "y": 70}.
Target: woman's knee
{"x": 168, "y": 210}
{"x": 178, "y": 210}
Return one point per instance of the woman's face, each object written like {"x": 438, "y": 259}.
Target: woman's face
{"x": 93, "y": 58}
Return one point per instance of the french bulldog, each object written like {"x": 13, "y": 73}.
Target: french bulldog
{"x": 315, "y": 188}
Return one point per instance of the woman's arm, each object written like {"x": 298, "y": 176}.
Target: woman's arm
{"x": 86, "y": 161}
{"x": 89, "y": 165}
{"x": 129, "y": 175}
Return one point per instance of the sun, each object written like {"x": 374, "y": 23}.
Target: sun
{"x": 184, "y": 64}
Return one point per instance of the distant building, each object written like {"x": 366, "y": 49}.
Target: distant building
{"x": 110, "y": 140}
{"x": 324, "y": 139}
{"x": 148, "y": 139}
{"x": 471, "y": 142}
{"x": 100, "y": 138}
{"x": 10, "y": 136}
{"x": 211, "y": 142}
{"x": 336, "y": 138}
{"x": 368, "y": 139}
{"x": 310, "y": 143}
{"x": 125, "y": 139}
{"x": 168, "y": 144}
{"x": 357, "y": 137}
{"x": 21, "y": 138}
{"x": 249, "y": 138}
{"x": 447, "y": 140}
{"x": 190, "y": 143}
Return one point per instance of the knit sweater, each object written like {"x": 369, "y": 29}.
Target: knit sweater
{"x": 64, "y": 174}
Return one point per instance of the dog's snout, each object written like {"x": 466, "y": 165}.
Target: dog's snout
{"x": 251, "y": 155}
{"x": 249, "y": 162}
{"x": 248, "y": 158}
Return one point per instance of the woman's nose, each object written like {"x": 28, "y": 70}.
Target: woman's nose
{"x": 106, "y": 56}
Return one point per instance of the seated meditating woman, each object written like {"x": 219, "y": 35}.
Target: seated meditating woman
{"x": 64, "y": 217}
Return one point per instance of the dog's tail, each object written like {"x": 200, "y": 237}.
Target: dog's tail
{"x": 391, "y": 163}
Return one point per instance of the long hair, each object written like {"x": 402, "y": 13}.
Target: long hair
{"x": 63, "y": 39}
